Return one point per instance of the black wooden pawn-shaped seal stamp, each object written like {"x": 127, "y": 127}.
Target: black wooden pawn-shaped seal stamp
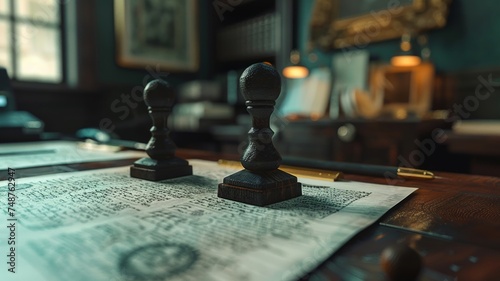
{"x": 162, "y": 164}
{"x": 261, "y": 183}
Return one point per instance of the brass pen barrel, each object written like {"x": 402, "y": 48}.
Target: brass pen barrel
{"x": 414, "y": 173}
{"x": 359, "y": 169}
{"x": 296, "y": 171}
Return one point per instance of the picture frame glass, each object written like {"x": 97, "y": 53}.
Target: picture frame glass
{"x": 151, "y": 32}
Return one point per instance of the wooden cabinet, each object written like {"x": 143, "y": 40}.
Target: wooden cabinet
{"x": 482, "y": 149}
{"x": 385, "y": 142}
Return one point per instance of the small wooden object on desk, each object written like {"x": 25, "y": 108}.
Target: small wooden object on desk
{"x": 261, "y": 183}
{"x": 162, "y": 164}
{"x": 401, "y": 263}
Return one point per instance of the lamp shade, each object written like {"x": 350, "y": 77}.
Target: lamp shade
{"x": 295, "y": 72}
{"x": 406, "y": 57}
{"x": 406, "y": 60}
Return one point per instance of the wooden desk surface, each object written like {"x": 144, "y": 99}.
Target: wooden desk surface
{"x": 453, "y": 221}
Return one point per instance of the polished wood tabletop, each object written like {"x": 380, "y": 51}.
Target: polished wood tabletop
{"x": 452, "y": 221}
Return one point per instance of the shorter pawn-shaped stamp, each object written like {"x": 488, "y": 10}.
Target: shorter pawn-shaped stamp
{"x": 161, "y": 163}
{"x": 261, "y": 182}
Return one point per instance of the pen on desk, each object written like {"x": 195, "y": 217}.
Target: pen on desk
{"x": 296, "y": 171}
{"x": 318, "y": 169}
{"x": 359, "y": 169}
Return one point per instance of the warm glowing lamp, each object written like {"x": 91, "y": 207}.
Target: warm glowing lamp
{"x": 406, "y": 58}
{"x": 295, "y": 70}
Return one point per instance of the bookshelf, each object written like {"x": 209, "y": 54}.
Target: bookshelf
{"x": 254, "y": 31}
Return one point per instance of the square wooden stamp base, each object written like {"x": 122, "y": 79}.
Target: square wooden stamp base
{"x": 156, "y": 170}
{"x": 259, "y": 188}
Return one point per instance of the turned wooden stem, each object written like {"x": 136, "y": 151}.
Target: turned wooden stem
{"x": 260, "y": 85}
{"x": 159, "y": 98}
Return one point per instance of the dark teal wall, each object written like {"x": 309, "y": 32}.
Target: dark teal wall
{"x": 470, "y": 40}
{"x": 108, "y": 72}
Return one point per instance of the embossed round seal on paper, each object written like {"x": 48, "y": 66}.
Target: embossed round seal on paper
{"x": 157, "y": 261}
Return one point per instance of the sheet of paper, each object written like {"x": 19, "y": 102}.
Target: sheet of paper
{"x": 104, "y": 225}
{"x": 33, "y": 154}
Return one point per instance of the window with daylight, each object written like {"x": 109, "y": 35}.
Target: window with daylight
{"x": 30, "y": 40}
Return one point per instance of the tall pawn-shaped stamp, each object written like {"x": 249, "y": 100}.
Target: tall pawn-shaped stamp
{"x": 261, "y": 182}
{"x": 162, "y": 162}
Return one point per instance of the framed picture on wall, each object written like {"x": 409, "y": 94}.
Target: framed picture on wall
{"x": 355, "y": 24}
{"x": 406, "y": 90}
{"x": 157, "y": 33}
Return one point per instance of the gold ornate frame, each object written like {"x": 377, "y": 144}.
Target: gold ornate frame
{"x": 327, "y": 31}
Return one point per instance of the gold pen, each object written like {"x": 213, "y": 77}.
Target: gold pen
{"x": 298, "y": 172}
{"x": 359, "y": 168}
{"x": 414, "y": 173}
